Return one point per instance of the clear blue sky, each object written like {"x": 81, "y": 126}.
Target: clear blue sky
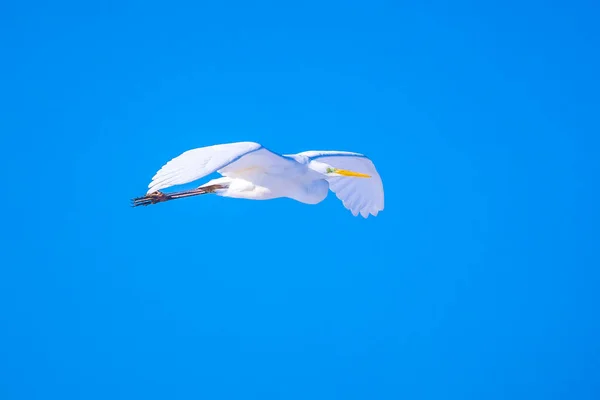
{"x": 478, "y": 281}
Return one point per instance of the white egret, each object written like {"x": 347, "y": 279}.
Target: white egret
{"x": 250, "y": 171}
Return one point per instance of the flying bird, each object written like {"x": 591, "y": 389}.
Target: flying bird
{"x": 251, "y": 171}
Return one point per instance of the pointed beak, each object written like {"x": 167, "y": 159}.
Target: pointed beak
{"x": 345, "y": 172}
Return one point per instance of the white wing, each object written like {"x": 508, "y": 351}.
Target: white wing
{"x": 229, "y": 159}
{"x": 359, "y": 195}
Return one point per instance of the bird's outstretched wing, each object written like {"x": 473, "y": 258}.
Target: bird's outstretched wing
{"x": 229, "y": 159}
{"x": 359, "y": 195}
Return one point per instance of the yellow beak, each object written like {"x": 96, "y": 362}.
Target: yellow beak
{"x": 345, "y": 172}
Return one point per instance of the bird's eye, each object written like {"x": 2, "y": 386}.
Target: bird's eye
{"x": 330, "y": 170}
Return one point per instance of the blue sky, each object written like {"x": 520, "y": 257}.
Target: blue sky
{"x": 478, "y": 281}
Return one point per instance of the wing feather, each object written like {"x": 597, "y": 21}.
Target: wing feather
{"x": 228, "y": 159}
{"x": 360, "y": 196}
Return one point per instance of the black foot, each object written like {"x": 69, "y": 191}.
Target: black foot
{"x": 152, "y": 198}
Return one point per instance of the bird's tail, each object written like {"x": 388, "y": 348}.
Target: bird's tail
{"x": 160, "y": 197}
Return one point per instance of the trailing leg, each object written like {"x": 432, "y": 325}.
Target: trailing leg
{"x": 160, "y": 197}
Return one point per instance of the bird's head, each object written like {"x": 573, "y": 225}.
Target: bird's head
{"x": 329, "y": 170}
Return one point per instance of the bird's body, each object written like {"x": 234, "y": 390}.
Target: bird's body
{"x": 295, "y": 180}
{"x": 250, "y": 171}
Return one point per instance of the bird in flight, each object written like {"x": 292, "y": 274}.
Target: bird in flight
{"x": 251, "y": 171}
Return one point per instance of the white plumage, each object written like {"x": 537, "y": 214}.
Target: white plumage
{"x": 251, "y": 171}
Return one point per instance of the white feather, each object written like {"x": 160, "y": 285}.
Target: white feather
{"x": 253, "y": 172}
{"x": 360, "y": 196}
{"x": 228, "y": 159}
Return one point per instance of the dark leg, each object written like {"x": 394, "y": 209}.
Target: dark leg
{"x": 159, "y": 197}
